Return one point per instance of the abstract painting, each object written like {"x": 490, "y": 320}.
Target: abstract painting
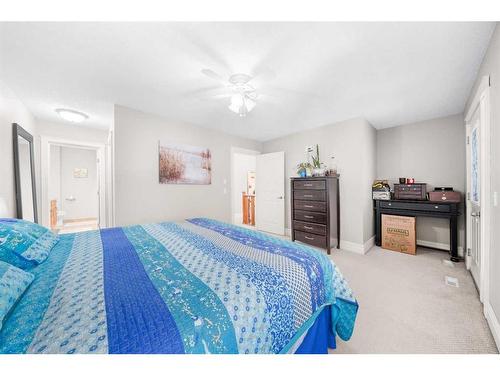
{"x": 184, "y": 164}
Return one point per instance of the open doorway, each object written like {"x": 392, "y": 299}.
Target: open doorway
{"x": 258, "y": 190}
{"x": 243, "y": 175}
{"x": 73, "y": 177}
{"x": 73, "y": 189}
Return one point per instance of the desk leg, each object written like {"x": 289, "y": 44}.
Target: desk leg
{"x": 454, "y": 239}
{"x": 378, "y": 228}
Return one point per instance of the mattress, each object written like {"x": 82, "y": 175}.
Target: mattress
{"x": 197, "y": 286}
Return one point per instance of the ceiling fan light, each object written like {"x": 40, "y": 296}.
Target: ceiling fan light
{"x": 237, "y": 100}
{"x": 249, "y": 104}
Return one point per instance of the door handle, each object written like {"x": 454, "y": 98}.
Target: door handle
{"x": 475, "y": 214}
{"x": 280, "y": 197}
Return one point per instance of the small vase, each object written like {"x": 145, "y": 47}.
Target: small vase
{"x": 302, "y": 173}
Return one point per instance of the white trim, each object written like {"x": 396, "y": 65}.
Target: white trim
{"x": 45, "y": 143}
{"x": 357, "y": 247}
{"x": 236, "y": 150}
{"x": 110, "y": 179}
{"x": 485, "y": 83}
{"x": 493, "y": 322}
{"x": 482, "y": 100}
{"x": 369, "y": 244}
{"x": 352, "y": 246}
{"x": 348, "y": 245}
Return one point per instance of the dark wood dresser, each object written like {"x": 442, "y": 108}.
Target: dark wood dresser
{"x": 315, "y": 209}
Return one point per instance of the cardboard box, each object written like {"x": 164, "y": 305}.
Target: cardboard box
{"x": 398, "y": 234}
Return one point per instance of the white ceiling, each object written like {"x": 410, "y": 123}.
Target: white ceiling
{"x": 314, "y": 73}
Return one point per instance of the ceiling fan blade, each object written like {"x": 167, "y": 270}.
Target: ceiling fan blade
{"x": 280, "y": 92}
{"x": 210, "y": 73}
{"x": 263, "y": 73}
{"x": 207, "y": 91}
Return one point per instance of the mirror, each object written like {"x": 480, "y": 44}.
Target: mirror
{"x": 24, "y": 171}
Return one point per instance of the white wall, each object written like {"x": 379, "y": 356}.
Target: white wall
{"x": 11, "y": 110}
{"x": 433, "y": 152}
{"x": 71, "y": 132}
{"x": 353, "y": 144}
{"x": 84, "y": 190}
{"x": 140, "y": 198}
{"x": 491, "y": 67}
{"x": 242, "y": 164}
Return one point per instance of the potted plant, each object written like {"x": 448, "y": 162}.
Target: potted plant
{"x": 302, "y": 168}
{"x": 318, "y": 166}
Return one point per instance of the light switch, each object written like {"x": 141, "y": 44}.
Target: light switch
{"x": 495, "y": 199}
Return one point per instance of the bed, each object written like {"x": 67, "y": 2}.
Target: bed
{"x": 197, "y": 286}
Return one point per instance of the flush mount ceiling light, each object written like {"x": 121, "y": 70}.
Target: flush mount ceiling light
{"x": 71, "y": 115}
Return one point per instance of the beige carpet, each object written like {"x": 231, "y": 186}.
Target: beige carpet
{"x": 406, "y": 307}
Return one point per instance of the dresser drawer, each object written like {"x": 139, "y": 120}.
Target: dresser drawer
{"x": 310, "y": 195}
{"x": 311, "y": 239}
{"x": 416, "y": 206}
{"x": 309, "y": 185}
{"x": 313, "y": 217}
{"x": 309, "y": 227}
{"x": 310, "y": 205}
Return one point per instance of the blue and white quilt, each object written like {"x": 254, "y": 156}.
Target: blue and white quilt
{"x": 198, "y": 286}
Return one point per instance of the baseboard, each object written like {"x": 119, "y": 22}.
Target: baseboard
{"x": 369, "y": 244}
{"x": 439, "y": 246}
{"x": 493, "y": 322}
{"x": 357, "y": 247}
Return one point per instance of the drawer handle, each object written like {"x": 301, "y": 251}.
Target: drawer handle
{"x": 306, "y": 227}
{"x": 436, "y": 206}
{"x": 308, "y": 185}
{"x": 308, "y": 195}
{"x": 309, "y": 216}
{"x": 389, "y": 204}
{"x": 309, "y": 238}
{"x": 308, "y": 206}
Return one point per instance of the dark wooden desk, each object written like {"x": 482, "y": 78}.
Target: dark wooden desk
{"x": 445, "y": 210}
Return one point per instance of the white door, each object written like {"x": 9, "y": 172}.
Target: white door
{"x": 270, "y": 193}
{"x": 473, "y": 258}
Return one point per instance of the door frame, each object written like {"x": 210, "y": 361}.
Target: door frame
{"x": 236, "y": 150}
{"x": 100, "y": 148}
{"x": 482, "y": 101}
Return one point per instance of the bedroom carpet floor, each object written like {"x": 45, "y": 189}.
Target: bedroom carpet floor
{"x": 406, "y": 307}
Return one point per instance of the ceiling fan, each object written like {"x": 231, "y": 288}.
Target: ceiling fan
{"x": 243, "y": 96}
